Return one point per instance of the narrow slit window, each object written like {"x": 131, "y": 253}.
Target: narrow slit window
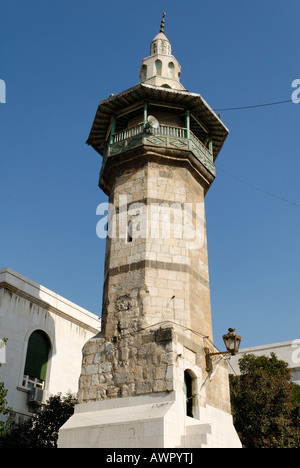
{"x": 188, "y": 390}
{"x": 129, "y": 232}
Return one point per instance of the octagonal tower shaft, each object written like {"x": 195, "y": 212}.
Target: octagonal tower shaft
{"x": 156, "y": 267}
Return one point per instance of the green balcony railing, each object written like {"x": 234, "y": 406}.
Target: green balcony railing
{"x": 161, "y": 136}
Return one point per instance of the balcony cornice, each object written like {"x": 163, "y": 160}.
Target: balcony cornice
{"x": 116, "y": 104}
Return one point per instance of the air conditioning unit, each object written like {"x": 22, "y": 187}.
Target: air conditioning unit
{"x": 37, "y": 395}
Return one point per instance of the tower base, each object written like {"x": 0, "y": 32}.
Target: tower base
{"x": 146, "y": 421}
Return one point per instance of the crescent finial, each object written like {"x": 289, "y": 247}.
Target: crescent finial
{"x": 162, "y": 24}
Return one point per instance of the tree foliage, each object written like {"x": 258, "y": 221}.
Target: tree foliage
{"x": 265, "y": 404}
{"x": 42, "y": 430}
{"x": 4, "y": 408}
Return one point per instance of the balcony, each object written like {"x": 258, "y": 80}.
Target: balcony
{"x": 163, "y": 136}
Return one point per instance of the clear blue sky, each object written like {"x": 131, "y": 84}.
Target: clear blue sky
{"x": 59, "y": 59}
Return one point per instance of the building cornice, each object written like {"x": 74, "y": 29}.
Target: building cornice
{"x": 8, "y": 286}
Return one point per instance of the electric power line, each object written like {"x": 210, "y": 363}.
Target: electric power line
{"x": 258, "y": 188}
{"x": 243, "y": 181}
{"x": 253, "y": 106}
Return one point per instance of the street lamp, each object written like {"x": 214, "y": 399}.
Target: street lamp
{"x": 232, "y": 342}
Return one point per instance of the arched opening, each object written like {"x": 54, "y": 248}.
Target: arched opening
{"x": 158, "y": 67}
{"x": 188, "y": 391}
{"x": 35, "y": 370}
{"x": 171, "y": 70}
{"x": 144, "y": 73}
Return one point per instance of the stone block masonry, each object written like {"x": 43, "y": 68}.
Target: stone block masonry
{"x": 161, "y": 276}
{"x": 132, "y": 364}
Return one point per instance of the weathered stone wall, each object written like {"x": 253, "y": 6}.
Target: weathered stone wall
{"x": 133, "y": 364}
{"x": 151, "y": 361}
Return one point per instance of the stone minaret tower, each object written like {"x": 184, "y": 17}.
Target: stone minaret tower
{"x": 144, "y": 381}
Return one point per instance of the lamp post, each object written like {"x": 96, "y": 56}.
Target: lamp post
{"x": 232, "y": 342}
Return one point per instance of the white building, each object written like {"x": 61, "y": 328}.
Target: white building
{"x": 288, "y": 351}
{"x": 46, "y": 334}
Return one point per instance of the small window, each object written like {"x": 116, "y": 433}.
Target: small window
{"x": 35, "y": 370}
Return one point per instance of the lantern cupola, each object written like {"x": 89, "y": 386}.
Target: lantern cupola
{"x": 161, "y": 68}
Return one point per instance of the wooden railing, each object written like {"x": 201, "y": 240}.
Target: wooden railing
{"x": 127, "y": 133}
{"x": 166, "y": 130}
{"x": 200, "y": 145}
{"x": 163, "y": 131}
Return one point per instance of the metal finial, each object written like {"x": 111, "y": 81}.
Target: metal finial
{"x": 162, "y": 24}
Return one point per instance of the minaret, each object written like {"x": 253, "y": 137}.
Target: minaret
{"x": 144, "y": 381}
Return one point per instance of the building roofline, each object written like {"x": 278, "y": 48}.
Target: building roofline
{"x": 44, "y": 297}
{"x": 268, "y": 346}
